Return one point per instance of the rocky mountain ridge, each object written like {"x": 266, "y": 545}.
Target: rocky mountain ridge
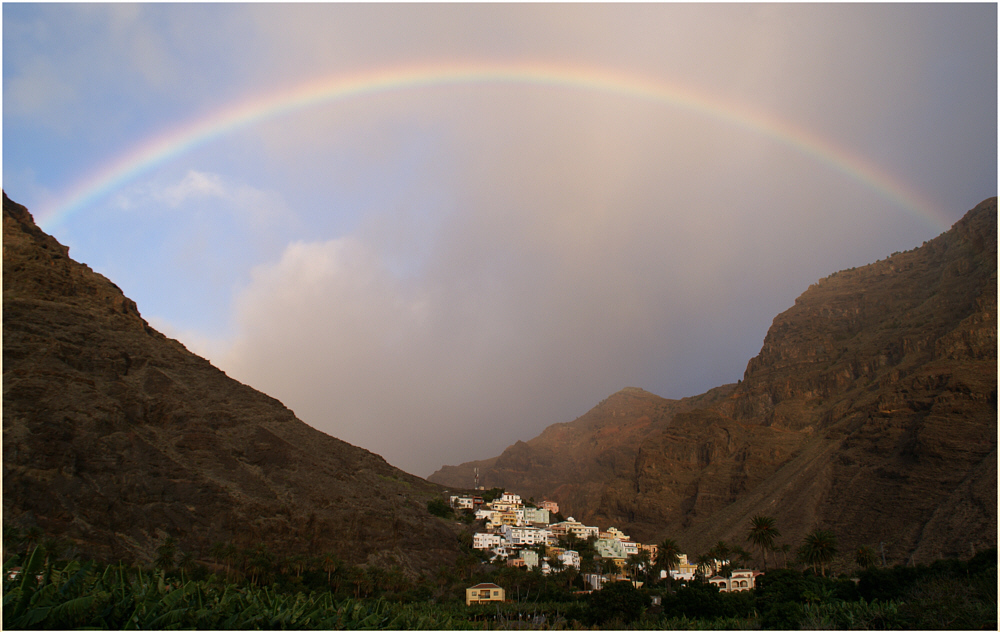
{"x": 115, "y": 437}
{"x": 871, "y": 411}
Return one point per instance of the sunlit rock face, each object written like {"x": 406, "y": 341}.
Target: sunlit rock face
{"x": 115, "y": 437}
{"x": 871, "y": 411}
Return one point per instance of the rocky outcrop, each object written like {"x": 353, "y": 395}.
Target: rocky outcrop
{"x": 871, "y": 411}
{"x": 584, "y": 460}
{"x": 115, "y": 437}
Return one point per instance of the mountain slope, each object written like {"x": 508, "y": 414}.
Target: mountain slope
{"x": 574, "y": 461}
{"x": 871, "y": 410}
{"x": 115, "y": 436}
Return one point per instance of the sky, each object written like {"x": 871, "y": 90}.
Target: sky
{"x": 432, "y": 230}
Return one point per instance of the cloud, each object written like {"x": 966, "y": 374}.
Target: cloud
{"x": 207, "y": 193}
{"x": 195, "y": 184}
{"x": 38, "y": 90}
{"x": 436, "y": 272}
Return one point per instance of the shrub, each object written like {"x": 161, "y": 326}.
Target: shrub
{"x": 438, "y": 507}
{"x": 618, "y": 600}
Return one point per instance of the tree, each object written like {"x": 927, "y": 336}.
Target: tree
{"x": 297, "y": 564}
{"x": 556, "y": 564}
{"x": 569, "y": 541}
{"x": 704, "y": 565}
{"x": 607, "y": 566}
{"x": 818, "y": 549}
{"x": 329, "y": 563}
{"x": 438, "y": 507}
{"x": 259, "y": 563}
{"x": 165, "y": 554}
{"x": 743, "y": 556}
{"x": 668, "y": 555}
{"x": 722, "y": 553}
{"x": 644, "y": 563}
{"x": 762, "y": 534}
{"x": 632, "y": 566}
{"x": 865, "y": 557}
{"x": 232, "y": 555}
{"x": 785, "y": 549}
{"x": 31, "y": 538}
{"x": 617, "y": 600}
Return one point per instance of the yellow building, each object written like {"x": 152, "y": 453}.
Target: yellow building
{"x": 482, "y": 593}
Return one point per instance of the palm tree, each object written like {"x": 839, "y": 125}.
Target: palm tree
{"x": 31, "y": 538}
{"x": 165, "y": 553}
{"x": 721, "y": 552}
{"x": 668, "y": 555}
{"x": 632, "y": 567}
{"x": 607, "y": 566}
{"x": 259, "y": 563}
{"x": 704, "y": 565}
{"x": 296, "y": 563}
{"x": 556, "y": 564}
{"x": 743, "y": 556}
{"x": 218, "y": 551}
{"x": 569, "y": 541}
{"x": 865, "y": 557}
{"x": 12, "y": 539}
{"x": 762, "y": 534}
{"x": 232, "y": 555}
{"x": 643, "y": 561}
{"x": 785, "y": 549}
{"x": 329, "y": 562}
{"x": 818, "y": 549}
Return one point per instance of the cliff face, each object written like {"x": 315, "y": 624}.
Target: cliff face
{"x": 115, "y": 436}
{"x": 871, "y": 410}
{"x": 584, "y": 461}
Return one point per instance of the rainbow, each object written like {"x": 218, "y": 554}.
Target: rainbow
{"x": 166, "y": 146}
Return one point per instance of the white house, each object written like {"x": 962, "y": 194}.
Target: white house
{"x": 742, "y": 579}
{"x": 523, "y": 536}
{"x": 570, "y": 558}
{"x": 535, "y": 516}
{"x": 685, "y": 571}
{"x": 531, "y": 560}
{"x": 610, "y": 547}
{"x": 513, "y": 499}
{"x": 486, "y": 540}
{"x": 462, "y": 502}
{"x": 580, "y": 530}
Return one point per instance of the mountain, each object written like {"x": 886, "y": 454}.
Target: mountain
{"x": 579, "y": 461}
{"x": 871, "y": 411}
{"x": 115, "y": 437}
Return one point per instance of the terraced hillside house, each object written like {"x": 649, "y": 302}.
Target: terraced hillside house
{"x": 580, "y": 530}
{"x": 535, "y": 516}
{"x": 526, "y": 536}
{"x": 486, "y": 540}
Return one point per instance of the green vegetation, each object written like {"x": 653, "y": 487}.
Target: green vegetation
{"x": 439, "y": 507}
{"x": 255, "y": 589}
{"x": 762, "y": 534}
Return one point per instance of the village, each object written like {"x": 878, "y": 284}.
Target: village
{"x": 522, "y": 534}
